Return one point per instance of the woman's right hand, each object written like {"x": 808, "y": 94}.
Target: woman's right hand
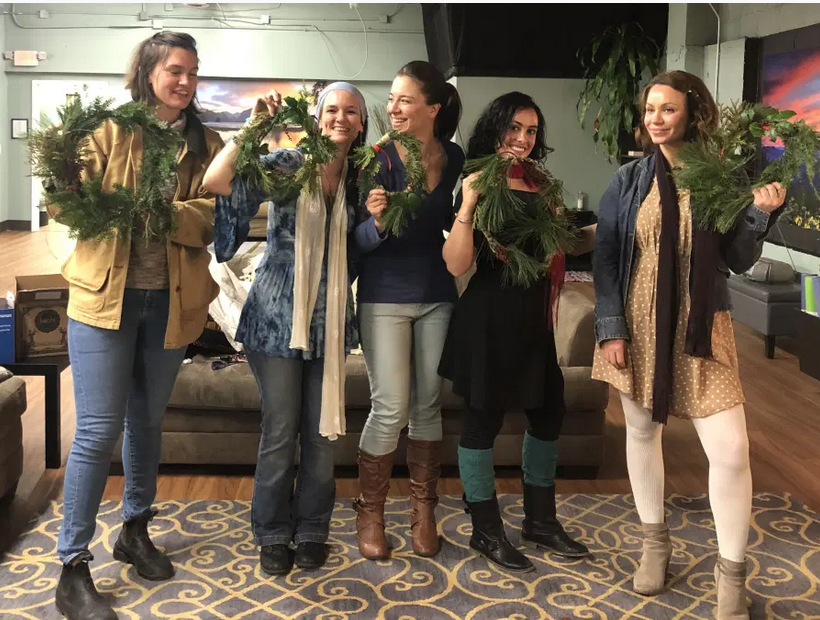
{"x": 267, "y": 105}
{"x": 615, "y": 352}
{"x": 469, "y": 196}
{"x": 376, "y": 203}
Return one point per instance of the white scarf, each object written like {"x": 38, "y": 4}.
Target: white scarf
{"x": 309, "y": 249}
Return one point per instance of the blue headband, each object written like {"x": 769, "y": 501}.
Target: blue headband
{"x": 347, "y": 86}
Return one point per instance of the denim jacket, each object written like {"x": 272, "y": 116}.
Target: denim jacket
{"x": 615, "y": 247}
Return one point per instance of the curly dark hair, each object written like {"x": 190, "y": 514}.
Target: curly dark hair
{"x": 702, "y": 113}
{"x": 496, "y": 119}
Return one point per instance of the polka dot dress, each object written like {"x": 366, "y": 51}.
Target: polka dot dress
{"x": 701, "y": 387}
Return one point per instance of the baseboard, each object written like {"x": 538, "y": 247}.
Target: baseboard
{"x": 23, "y": 225}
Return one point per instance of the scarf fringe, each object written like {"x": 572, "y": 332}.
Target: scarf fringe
{"x": 699, "y": 338}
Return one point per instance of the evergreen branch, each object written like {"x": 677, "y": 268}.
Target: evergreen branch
{"x": 714, "y": 168}
{"x": 58, "y": 154}
{"x": 401, "y": 205}
{"x": 317, "y": 148}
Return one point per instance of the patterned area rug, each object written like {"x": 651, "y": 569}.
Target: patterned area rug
{"x": 218, "y": 575}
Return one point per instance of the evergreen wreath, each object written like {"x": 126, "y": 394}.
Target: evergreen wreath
{"x": 58, "y": 154}
{"x": 500, "y": 214}
{"x": 317, "y": 148}
{"x": 403, "y": 204}
{"x": 714, "y": 167}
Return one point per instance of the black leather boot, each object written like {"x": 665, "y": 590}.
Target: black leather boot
{"x": 311, "y": 555}
{"x": 135, "y": 547}
{"x": 77, "y": 597}
{"x": 490, "y": 540}
{"x": 276, "y": 559}
{"x": 541, "y": 525}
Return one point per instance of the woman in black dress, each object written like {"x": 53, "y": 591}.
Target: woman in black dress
{"x": 500, "y": 352}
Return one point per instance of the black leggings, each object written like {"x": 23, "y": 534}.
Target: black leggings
{"x": 480, "y": 427}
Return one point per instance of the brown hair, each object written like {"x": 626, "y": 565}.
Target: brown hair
{"x": 148, "y": 54}
{"x": 436, "y": 90}
{"x": 702, "y": 112}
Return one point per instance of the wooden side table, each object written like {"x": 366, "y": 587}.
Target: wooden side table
{"x": 50, "y": 368}
{"x": 807, "y": 334}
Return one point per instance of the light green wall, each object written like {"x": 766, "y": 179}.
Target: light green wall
{"x": 4, "y": 131}
{"x": 574, "y": 161}
{"x": 81, "y": 44}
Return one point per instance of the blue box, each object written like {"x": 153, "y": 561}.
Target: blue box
{"x": 6, "y": 333}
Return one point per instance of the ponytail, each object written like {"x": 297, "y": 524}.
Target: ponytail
{"x": 436, "y": 91}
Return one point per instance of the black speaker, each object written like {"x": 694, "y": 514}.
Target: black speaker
{"x": 526, "y": 40}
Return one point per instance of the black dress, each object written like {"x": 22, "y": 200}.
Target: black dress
{"x": 499, "y": 352}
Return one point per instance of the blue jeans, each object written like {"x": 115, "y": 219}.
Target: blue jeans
{"x": 402, "y": 345}
{"x": 291, "y": 392}
{"x": 122, "y": 378}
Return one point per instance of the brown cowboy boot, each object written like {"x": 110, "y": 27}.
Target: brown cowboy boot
{"x": 374, "y": 482}
{"x": 424, "y": 463}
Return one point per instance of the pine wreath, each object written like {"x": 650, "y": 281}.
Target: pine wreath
{"x": 317, "y": 148}
{"x": 403, "y": 204}
{"x": 714, "y": 168}
{"x": 58, "y": 154}
{"x": 500, "y": 214}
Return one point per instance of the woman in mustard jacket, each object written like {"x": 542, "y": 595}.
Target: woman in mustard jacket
{"x": 133, "y": 309}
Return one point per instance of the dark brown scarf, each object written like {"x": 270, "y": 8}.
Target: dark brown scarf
{"x": 705, "y": 255}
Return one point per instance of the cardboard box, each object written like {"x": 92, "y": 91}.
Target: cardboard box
{"x": 6, "y": 333}
{"x": 40, "y": 314}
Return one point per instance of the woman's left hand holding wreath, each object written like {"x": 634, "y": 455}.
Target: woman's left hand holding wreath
{"x": 770, "y": 197}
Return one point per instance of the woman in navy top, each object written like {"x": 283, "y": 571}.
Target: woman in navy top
{"x": 297, "y": 326}
{"x": 405, "y": 299}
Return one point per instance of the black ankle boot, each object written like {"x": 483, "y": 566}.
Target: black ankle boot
{"x": 310, "y": 555}
{"x": 490, "y": 540}
{"x": 77, "y": 597}
{"x": 135, "y": 547}
{"x": 541, "y": 526}
{"x": 276, "y": 559}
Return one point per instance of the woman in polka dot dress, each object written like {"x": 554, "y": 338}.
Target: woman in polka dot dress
{"x": 665, "y": 332}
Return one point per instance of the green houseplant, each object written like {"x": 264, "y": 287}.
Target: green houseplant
{"x": 614, "y": 65}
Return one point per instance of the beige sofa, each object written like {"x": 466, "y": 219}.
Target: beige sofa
{"x": 214, "y": 415}
{"x": 12, "y": 406}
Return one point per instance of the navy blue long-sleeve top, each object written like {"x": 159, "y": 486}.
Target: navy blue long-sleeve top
{"x": 409, "y": 268}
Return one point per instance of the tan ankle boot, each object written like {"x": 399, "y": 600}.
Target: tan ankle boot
{"x": 730, "y": 581}
{"x": 374, "y": 481}
{"x": 650, "y": 578}
{"x": 424, "y": 463}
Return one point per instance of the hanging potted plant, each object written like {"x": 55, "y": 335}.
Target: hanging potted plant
{"x": 615, "y": 65}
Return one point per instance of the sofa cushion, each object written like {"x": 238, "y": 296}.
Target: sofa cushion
{"x": 12, "y": 401}
{"x": 765, "y": 291}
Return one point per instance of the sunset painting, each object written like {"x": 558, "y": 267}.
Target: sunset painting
{"x": 227, "y": 104}
{"x": 791, "y": 81}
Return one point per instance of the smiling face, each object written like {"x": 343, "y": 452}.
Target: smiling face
{"x": 519, "y": 139}
{"x": 174, "y": 79}
{"x": 341, "y": 118}
{"x": 665, "y": 115}
{"x": 407, "y": 107}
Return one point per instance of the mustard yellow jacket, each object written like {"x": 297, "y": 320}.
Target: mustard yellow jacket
{"x": 96, "y": 271}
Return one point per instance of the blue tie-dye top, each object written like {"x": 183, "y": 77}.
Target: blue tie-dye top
{"x": 267, "y": 316}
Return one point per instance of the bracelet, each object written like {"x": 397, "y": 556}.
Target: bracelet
{"x": 470, "y": 221}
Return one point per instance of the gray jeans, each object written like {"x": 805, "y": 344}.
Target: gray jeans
{"x": 402, "y": 346}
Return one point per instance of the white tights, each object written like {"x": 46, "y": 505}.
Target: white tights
{"x": 724, "y": 439}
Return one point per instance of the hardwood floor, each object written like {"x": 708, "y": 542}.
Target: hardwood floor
{"x": 782, "y": 409}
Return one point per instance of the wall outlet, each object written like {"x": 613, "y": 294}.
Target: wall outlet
{"x": 264, "y": 19}
{"x": 43, "y": 14}
{"x": 156, "y": 24}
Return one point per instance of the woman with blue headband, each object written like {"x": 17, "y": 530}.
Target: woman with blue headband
{"x": 297, "y": 326}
